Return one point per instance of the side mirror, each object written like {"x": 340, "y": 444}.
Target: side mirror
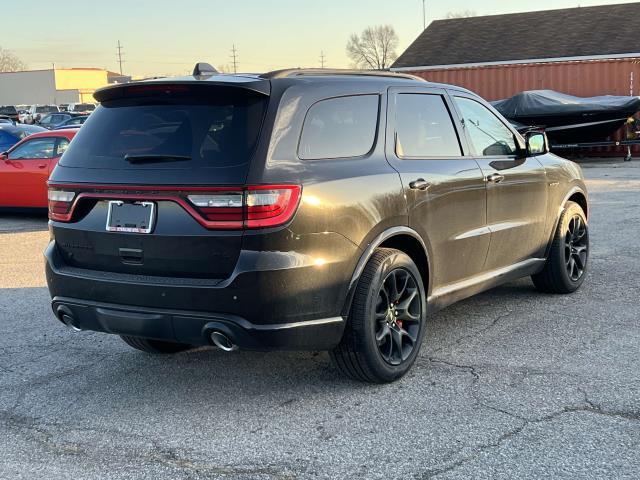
{"x": 4, "y": 156}
{"x": 537, "y": 143}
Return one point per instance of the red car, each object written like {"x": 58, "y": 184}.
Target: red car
{"x": 25, "y": 168}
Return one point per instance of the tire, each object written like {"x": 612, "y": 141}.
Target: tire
{"x": 566, "y": 266}
{"x": 154, "y": 346}
{"x": 374, "y": 348}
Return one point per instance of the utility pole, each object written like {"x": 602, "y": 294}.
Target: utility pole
{"x": 322, "y": 58}
{"x": 424, "y": 15}
{"x": 120, "y": 56}
{"x": 234, "y": 58}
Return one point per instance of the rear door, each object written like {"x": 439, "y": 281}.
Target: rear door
{"x": 444, "y": 187}
{"x": 516, "y": 185}
{"x": 183, "y": 150}
{"x": 23, "y": 176}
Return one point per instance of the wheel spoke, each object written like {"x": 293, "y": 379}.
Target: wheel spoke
{"x": 384, "y": 332}
{"x": 396, "y": 337}
{"x": 578, "y": 260}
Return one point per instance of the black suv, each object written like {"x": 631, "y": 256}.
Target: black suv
{"x": 302, "y": 210}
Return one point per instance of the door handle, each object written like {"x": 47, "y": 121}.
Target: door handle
{"x": 42, "y": 165}
{"x": 495, "y": 178}
{"x": 419, "y": 184}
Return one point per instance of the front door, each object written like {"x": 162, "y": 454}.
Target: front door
{"x": 516, "y": 186}
{"x": 444, "y": 188}
{"x": 24, "y": 174}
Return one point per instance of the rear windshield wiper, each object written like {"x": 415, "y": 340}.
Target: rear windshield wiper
{"x": 152, "y": 158}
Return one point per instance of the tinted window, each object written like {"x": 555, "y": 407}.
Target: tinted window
{"x": 339, "y": 128}
{"x": 46, "y": 109}
{"x": 8, "y": 110}
{"x": 424, "y": 127}
{"x": 488, "y": 134}
{"x": 36, "y": 148}
{"x": 217, "y": 131}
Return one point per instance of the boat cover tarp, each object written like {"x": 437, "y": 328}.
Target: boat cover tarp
{"x": 546, "y": 103}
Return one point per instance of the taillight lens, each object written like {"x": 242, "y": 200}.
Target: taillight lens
{"x": 225, "y": 209}
{"x": 258, "y": 206}
{"x": 60, "y": 202}
{"x": 269, "y": 206}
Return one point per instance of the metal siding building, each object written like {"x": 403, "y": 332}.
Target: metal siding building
{"x": 586, "y": 78}
{"x": 51, "y": 86}
{"x": 585, "y": 52}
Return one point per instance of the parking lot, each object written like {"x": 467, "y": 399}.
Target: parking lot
{"x": 509, "y": 384}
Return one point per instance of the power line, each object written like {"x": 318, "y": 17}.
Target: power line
{"x": 424, "y": 15}
{"x": 322, "y": 58}
{"x": 120, "y": 56}
{"x": 234, "y": 58}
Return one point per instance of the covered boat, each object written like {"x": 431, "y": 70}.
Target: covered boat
{"x": 569, "y": 119}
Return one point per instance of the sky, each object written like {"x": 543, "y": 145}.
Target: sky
{"x": 167, "y": 37}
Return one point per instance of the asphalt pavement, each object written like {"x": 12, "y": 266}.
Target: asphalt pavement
{"x": 509, "y": 384}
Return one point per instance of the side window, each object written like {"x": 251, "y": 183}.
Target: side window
{"x": 488, "y": 134}
{"x": 63, "y": 143}
{"x": 339, "y": 128}
{"x": 36, "y": 148}
{"x": 424, "y": 127}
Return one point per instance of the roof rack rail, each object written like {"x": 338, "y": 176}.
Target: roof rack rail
{"x": 300, "y": 72}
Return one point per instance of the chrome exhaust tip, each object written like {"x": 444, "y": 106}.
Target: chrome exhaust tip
{"x": 66, "y": 316}
{"x": 223, "y": 342}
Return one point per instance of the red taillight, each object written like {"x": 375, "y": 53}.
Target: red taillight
{"x": 215, "y": 208}
{"x": 257, "y": 206}
{"x": 270, "y": 206}
{"x": 60, "y": 202}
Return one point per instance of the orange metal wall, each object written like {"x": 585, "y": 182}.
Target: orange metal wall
{"x": 582, "y": 78}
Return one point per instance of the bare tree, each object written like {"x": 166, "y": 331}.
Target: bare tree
{"x": 10, "y": 62}
{"x": 374, "y": 48}
{"x": 462, "y": 14}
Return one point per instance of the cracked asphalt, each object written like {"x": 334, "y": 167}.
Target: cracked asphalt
{"x": 509, "y": 384}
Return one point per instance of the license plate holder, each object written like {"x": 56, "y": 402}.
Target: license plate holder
{"x": 131, "y": 217}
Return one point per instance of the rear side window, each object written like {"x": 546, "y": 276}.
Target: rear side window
{"x": 343, "y": 127}
{"x": 424, "y": 127}
{"x": 209, "y": 132}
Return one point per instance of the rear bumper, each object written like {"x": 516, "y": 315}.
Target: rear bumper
{"x": 273, "y": 300}
{"x": 195, "y": 328}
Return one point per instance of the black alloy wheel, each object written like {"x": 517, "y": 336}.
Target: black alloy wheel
{"x": 398, "y": 315}
{"x": 576, "y": 248}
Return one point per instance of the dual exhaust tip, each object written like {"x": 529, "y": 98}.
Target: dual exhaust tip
{"x": 223, "y": 342}
{"x": 219, "y": 339}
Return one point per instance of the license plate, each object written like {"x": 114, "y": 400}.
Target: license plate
{"x": 136, "y": 217}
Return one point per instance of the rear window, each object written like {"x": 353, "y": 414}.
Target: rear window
{"x": 84, "y": 107}
{"x": 8, "y": 110}
{"x": 213, "y": 132}
{"x": 343, "y": 127}
{"x": 46, "y": 109}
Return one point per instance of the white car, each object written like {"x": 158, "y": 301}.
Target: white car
{"x": 36, "y": 112}
{"x": 85, "y": 108}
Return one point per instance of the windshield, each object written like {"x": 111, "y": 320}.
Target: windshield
{"x": 213, "y": 132}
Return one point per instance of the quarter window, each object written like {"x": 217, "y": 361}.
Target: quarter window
{"x": 424, "y": 127}
{"x": 339, "y": 128}
{"x": 488, "y": 134}
{"x": 63, "y": 143}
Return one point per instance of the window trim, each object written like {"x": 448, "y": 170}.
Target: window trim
{"x": 516, "y": 136}
{"x": 356, "y": 157}
{"x": 443, "y": 97}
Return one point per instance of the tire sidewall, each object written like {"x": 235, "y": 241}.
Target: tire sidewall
{"x": 381, "y": 368}
{"x": 570, "y": 211}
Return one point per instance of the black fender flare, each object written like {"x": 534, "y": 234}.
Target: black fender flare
{"x": 368, "y": 252}
{"x": 572, "y": 191}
